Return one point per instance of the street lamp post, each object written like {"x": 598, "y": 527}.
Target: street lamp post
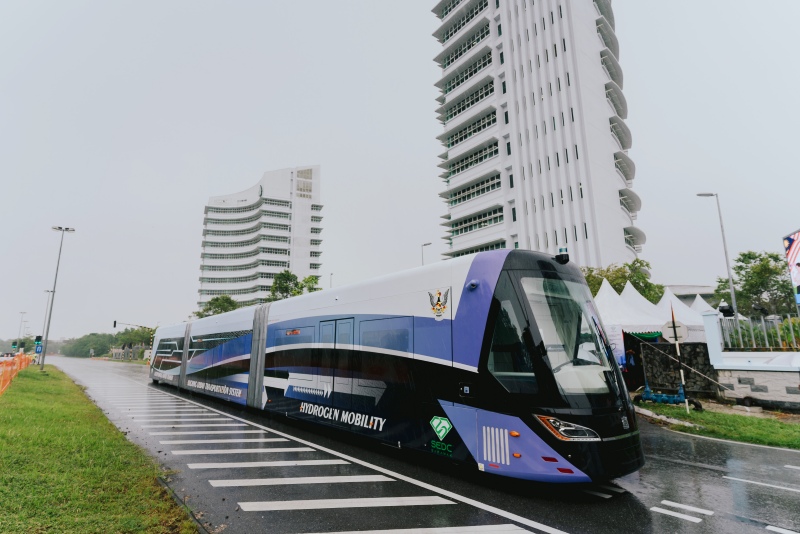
{"x": 21, "y": 321}
{"x": 422, "y": 252}
{"x": 727, "y": 262}
{"x": 46, "y": 307}
{"x": 53, "y": 293}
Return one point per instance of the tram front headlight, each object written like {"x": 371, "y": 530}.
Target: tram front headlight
{"x": 567, "y": 431}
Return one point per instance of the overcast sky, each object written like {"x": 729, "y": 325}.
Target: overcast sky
{"x": 122, "y": 118}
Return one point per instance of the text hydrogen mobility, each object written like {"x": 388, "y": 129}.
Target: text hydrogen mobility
{"x": 343, "y": 416}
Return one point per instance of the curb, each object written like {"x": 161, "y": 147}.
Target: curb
{"x": 670, "y": 420}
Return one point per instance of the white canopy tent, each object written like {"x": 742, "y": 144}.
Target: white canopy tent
{"x": 618, "y": 316}
{"x": 700, "y": 305}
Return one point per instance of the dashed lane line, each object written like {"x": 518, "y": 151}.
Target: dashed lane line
{"x": 167, "y": 411}
{"x": 211, "y": 418}
{"x": 675, "y": 514}
{"x": 614, "y": 489}
{"x": 342, "y": 479}
{"x": 207, "y": 441}
{"x": 598, "y": 494}
{"x": 763, "y": 484}
{"x": 195, "y": 425}
{"x": 204, "y": 432}
{"x": 320, "y": 504}
{"x": 687, "y": 507}
{"x": 791, "y": 467}
{"x": 276, "y": 463}
{"x": 243, "y": 451}
{"x": 482, "y": 529}
{"x": 781, "y": 530}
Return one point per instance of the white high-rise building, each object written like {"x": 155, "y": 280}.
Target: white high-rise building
{"x": 250, "y": 236}
{"x": 534, "y": 130}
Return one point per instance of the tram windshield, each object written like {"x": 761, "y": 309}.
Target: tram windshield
{"x": 547, "y": 341}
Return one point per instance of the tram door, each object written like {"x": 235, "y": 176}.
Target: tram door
{"x": 338, "y": 335}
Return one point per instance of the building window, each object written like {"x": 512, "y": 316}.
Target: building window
{"x": 558, "y": 160}
{"x": 472, "y": 129}
{"x": 471, "y": 70}
{"x": 511, "y": 181}
{"x": 552, "y": 201}
{"x": 316, "y": 253}
{"x": 475, "y": 190}
{"x": 469, "y": 101}
{"x": 508, "y": 148}
{"x": 463, "y": 21}
{"x": 316, "y": 230}
{"x": 576, "y": 151}
{"x": 585, "y": 231}
{"x": 566, "y": 155}
{"x": 316, "y": 219}
{"x": 462, "y": 49}
{"x": 314, "y": 266}
{"x": 499, "y": 29}
{"x": 555, "y": 51}
{"x": 580, "y": 189}
{"x": 316, "y": 207}
{"x": 477, "y": 222}
{"x": 502, "y": 58}
{"x": 513, "y": 214}
{"x": 575, "y": 230}
{"x": 572, "y": 114}
{"x": 504, "y": 87}
{"x": 474, "y": 159}
{"x": 516, "y": 244}
{"x": 570, "y": 197}
{"x": 568, "y": 82}
{"x": 562, "y": 196}
{"x": 564, "y": 44}
{"x": 505, "y": 114}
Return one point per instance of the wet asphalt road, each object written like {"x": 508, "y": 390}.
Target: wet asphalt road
{"x": 302, "y": 479}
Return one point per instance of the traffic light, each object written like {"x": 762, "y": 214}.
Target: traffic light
{"x": 14, "y": 345}
{"x": 38, "y": 340}
{"x": 22, "y": 345}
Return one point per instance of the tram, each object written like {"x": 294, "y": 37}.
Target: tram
{"x": 496, "y": 359}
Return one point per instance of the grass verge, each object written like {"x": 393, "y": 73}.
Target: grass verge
{"x": 732, "y": 426}
{"x": 65, "y": 468}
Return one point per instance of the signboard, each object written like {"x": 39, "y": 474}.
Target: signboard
{"x": 668, "y": 332}
{"x": 38, "y": 349}
{"x": 615, "y": 339}
{"x": 791, "y": 245}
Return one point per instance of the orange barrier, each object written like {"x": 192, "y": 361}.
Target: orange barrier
{"x": 10, "y": 368}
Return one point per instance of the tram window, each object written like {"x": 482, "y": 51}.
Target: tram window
{"x": 510, "y": 361}
{"x": 565, "y": 321}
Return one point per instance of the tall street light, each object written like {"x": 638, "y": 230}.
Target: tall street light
{"x": 21, "y": 320}
{"x": 46, "y": 306}
{"x": 61, "y": 229}
{"x": 727, "y": 260}
{"x": 422, "y": 252}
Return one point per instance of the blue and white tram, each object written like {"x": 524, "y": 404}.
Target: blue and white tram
{"x": 497, "y": 359}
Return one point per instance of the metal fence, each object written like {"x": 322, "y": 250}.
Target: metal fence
{"x": 770, "y": 333}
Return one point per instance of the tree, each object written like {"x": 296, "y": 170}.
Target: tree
{"x": 636, "y": 272}
{"x": 217, "y": 305}
{"x": 286, "y": 284}
{"x": 760, "y": 280}
{"x": 82, "y": 346}
{"x": 138, "y": 336}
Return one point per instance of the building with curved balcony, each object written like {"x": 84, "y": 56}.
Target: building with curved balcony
{"x": 536, "y": 144}
{"x": 250, "y": 236}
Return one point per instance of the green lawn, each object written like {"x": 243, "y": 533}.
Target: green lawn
{"x": 744, "y": 428}
{"x": 65, "y": 468}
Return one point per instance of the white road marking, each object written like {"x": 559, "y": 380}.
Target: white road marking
{"x": 297, "y": 480}
{"x": 279, "y": 463}
{"x": 614, "y": 489}
{"x": 762, "y": 484}
{"x": 239, "y": 440}
{"x": 204, "y": 432}
{"x": 689, "y": 508}
{"x": 781, "y": 530}
{"x": 734, "y": 442}
{"x": 483, "y": 529}
{"x": 244, "y": 451}
{"x": 675, "y": 514}
{"x": 791, "y": 467}
{"x": 319, "y": 504}
{"x": 194, "y": 425}
{"x": 207, "y": 419}
{"x": 597, "y": 493}
{"x": 134, "y": 413}
{"x": 455, "y": 496}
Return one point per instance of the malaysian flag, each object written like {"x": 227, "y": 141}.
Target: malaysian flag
{"x": 791, "y": 245}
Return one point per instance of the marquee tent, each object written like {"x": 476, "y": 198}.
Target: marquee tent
{"x": 700, "y": 305}
{"x": 618, "y": 316}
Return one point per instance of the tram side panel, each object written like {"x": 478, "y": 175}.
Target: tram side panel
{"x": 168, "y": 344}
{"x": 218, "y": 355}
